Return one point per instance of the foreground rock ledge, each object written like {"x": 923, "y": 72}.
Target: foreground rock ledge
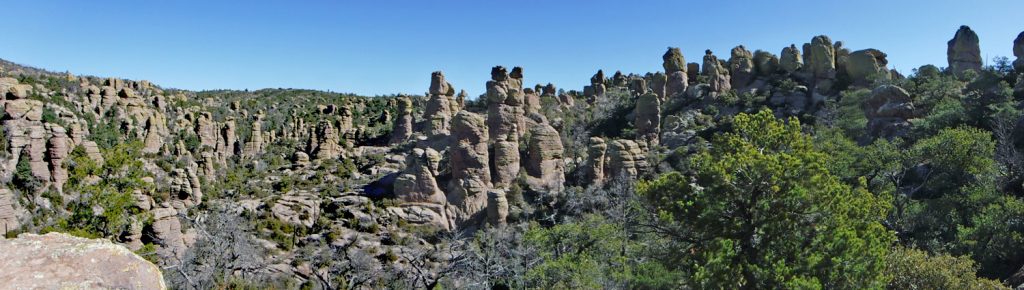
{"x": 61, "y": 261}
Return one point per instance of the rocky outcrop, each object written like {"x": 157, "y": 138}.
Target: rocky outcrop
{"x": 963, "y": 52}
{"x": 545, "y": 164}
{"x": 185, "y": 190}
{"x": 471, "y": 176}
{"x": 888, "y": 110}
{"x": 93, "y": 151}
{"x": 58, "y": 150}
{"x": 505, "y": 121}
{"x": 255, "y": 145}
{"x": 154, "y": 141}
{"x": 9, "y": 212}
{"x": 648, "y": 117}
{"x": 227, "y": 143}
{"x": 865, "y": 66}
{"x": 497, "y": 207}
{"x": 417, "y": 183}
{"x": 673, "y": 61}
{"x": 1018, "y": 52}
{"x": 741, "y": 67}
{"x": 62, "y": 261}
{"x": 820, "y": 58}
{"x": 301, "y": 208}
{"x": 594, "y": 167}
{"x": 596, "y": 87}
{"x": 626, "y": 159}
{"x": 765, "y": 63}
{"x": 791, "y": 60}
{"x": 438, "y": 111}
{"x": 206, "y": 129}
{"x": 716, "y": 73}
{"x": 403, "y": 123}
{"x": 327, "y": 145}
{"x": 167, "y": 234}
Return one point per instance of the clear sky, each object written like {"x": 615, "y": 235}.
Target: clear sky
{"x": 385, "y": 47}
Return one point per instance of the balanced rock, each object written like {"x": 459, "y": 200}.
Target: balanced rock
{"x": 438, "y": 110}
{"x": 673, "y": 61}
{"x": 61, "y": 261}
{"x": 497, "y": 207}
{"x": 594, "y": 167}
{"x": 648, "y": 117}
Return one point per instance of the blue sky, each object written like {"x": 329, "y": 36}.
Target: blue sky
{"x": 385, "y": 47}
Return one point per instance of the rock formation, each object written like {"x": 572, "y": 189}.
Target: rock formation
{"x": 59, "y": 148}
{"x": 887, "y": 111}
{"x": 791, "y": 60}
{"x": 765, "y": 63}
{"x": 10, "y": 212}
{"x": 61, "y": 261}
{"x": 438, "y": 111}
{"x": 471, "y": 176}
{"x": 167, "y": 234}
{"x": 673, "y": 61}
{"x": 545, "y": 164}
{"x": 504, "y": 124}
{"x": 497, "y": 207}
{"x": 206, "y": 129}
{"x": 594, "y": 167}
{"x": 820, "y": 63}
{"x": 403, "y": 124}
{"x": 1018, "y": 52}
{"x": 255, "y": 145}
{"x": 741, "y": 67}
{"x": 301, "y": 208}
{"x": 626, "y": 159}
{"x": 648, "y": 117}
{"x": 963, "y": 52}
{"x": 596, "y": 87}
{"x": 716, "y": 72}
{"x": 864, "y": 66}
{"x": 327, "y": 145}
{"x": 417, "y": 183}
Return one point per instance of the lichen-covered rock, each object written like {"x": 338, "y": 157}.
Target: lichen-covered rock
{"x": 963, "y": 52}
{"x": 656, "y": 83}
{"x": 765, "y": 63}
{"x": 61, "y": 261}
{"x": 820, "y": 58}
{"x": 673, "y": 61}
{"x": 864, "y": 66}
{"x": 648, "y": 117}
{"x": 741, "y": 67}
{"x": 471, "y": 174}
{"x": 545, "y": 164}
{"x": 791, "y": 60}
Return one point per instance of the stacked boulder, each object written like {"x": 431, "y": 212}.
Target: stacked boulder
{"x": 791, "y": 60}
{"x": 676, "y": 78}
{"x": 963, "y": 52}
{"x": 596, "y": 87}
{"x": 594, "y": 166}
{"x": 438, "y": 111}
{"x": 255, "y": 145}
{"x": 626, "y": 159}
{"x": 327, "y": 145}
{"x": 505, "y": 119}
